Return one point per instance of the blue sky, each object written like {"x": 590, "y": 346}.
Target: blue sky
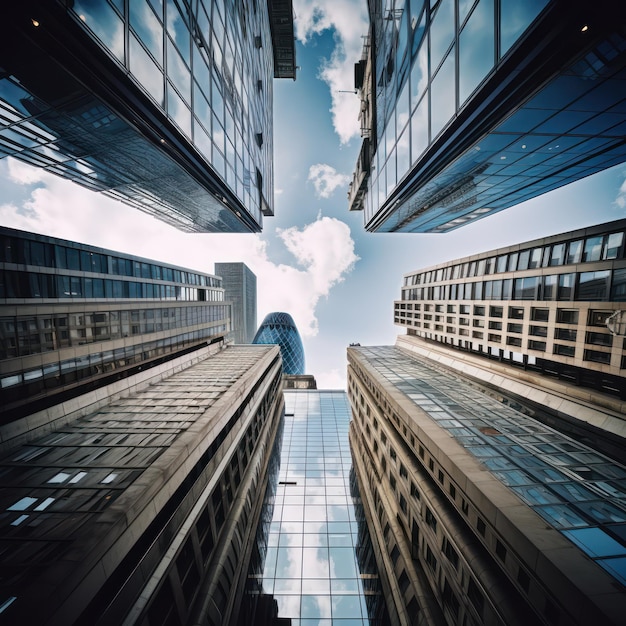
{"x": 313, "y": 259}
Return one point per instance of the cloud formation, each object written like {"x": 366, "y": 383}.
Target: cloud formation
{"x": 620, "y": 201}
{"x": 349, "y": 23}
{"x": 323, "y": 250}
{"x": 326, "y": 179}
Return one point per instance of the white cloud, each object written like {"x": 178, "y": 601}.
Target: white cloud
{"x": 323, "y": 250}
{"x": 620, "y": 201}
{"x": 332, "y": 379}
{"x": 349, "y": 22}
{"x": 326, "y": 179}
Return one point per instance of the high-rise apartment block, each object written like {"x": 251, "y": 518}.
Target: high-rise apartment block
{"x": 490, "y": 443}
{"x": 166, "y": 106}
{"x": 239, "y": 284}
{"x": 472, "y": 107}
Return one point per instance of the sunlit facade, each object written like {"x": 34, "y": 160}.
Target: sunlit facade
{"x": 471, "y": 107}
{"x": 145, "y": 510}
{"x": 77, "y": 318}
{"x": 479, "y": 511}
{"x": 315, "y": 564}
{"x": 166, "y": 106}
{"x": 541, "y": 305}
{"x": 280, "y": 328}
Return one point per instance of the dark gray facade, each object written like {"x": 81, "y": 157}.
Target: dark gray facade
{"x": 164, "y": 106}
{"x": 239, "y": 284}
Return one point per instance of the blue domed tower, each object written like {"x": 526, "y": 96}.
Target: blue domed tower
{"x": 280, "y": 328}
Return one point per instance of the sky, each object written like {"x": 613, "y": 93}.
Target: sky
{"x": 314, "y": 259}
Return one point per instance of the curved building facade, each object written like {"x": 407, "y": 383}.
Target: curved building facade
{"x": 280, "y": 328}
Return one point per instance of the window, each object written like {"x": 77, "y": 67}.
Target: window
{"x": 593, "y": 249}
{"x": 540, "y": 346}
{"x": 598, "y": 318}
{"x": 475, "y": 596}
{"x": 549, "y": 287}
{"x": 430, "y": 519}
{"x": 567, "y": 316}
{"x": 597, "y": 357}
{"x": 574, "y": 252}
{"x": 480, "y": 526}
{"x": 430, "y": 559}
{"x": 613, "y": 245}
{"x": 523, "y": 579}
{"x": 526, "y": 288}
{"x": 515, "y": 328}
{"x": 500, "y": 550}
{"x": 450, "y": 600}
{"x": 564, "y": 350}
{"x": 566, "y": 286}
{"x": 495, "y": 311}
{"x": 599, "y": 339}
{"x": 557, "y": 255}
{"x": 538, "y": 331}
{"x": 516, "y": 313}
{"x": 450, "y": 552}
{"x": 593, "y": 285}
{"x": 540, "y": 315}
{"x": 565, "y": 334}
{"x": 618, "y": 286}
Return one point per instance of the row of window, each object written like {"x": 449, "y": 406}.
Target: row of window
{"x": 594, "y": 248}
{"x": 20, "y": 387}
{"x": 188, "y": 569}
{"x": 34, "y": 285}
{"x": 604, "y": 285}
{"x": 23, "y": 251}
{"x": 24, "y": 335}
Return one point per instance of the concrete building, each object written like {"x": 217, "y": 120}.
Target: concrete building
{"x": 239, "y": 284}
{"x": 490, "y": 442}
{"x": 165, "y": 106}
{"x": 134, "y": 440}
{"x": 478, "y": 511}
{"x": 541, "y": 305}
{"x": 469, "y": 108}
{"x": 315, "y": 562}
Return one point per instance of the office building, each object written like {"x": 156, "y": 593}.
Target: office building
{"x": 145, "y": 510}
{"x": 166, "y": 106}
{"x": 541, "y": 305}
{"x": 314, "y": 563}
{"x": 480, "y": 513}
{"x": 77, "y": 320}
{"x": 239, "y": 284}
{"x": 280, "y": 328}
{"x": 469, "y": 108}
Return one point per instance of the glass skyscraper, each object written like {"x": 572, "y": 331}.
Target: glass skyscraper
{"x": 280, "y": 328}
{"x": 318, "y": 566}
{"x": 166, "y": 106}
{"x": 470, "y": 107}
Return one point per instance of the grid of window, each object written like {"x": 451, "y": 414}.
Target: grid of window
{"x": 576, "y": 490}
{"x": 207, "y": 68}
{"x": 82, "y": 271}
{"x": 280, "y": 328}
{"x": 311, "y": 567}
{"x": 58, "y": 484}
{"x": 431, "y": 59}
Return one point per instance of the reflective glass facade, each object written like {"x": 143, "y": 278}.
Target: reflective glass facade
{"x": 73, "y": 315}
{"x": 166, "y": 106}
{"x": 446, "y": 463}
{"x": 471, "y": 107}
{"x": 318, "y": 564}
{"x": 281, "y": 329}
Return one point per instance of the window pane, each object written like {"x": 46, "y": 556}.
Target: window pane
{"x": 476, "y": 48}
{"x": 593, "y": 249}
